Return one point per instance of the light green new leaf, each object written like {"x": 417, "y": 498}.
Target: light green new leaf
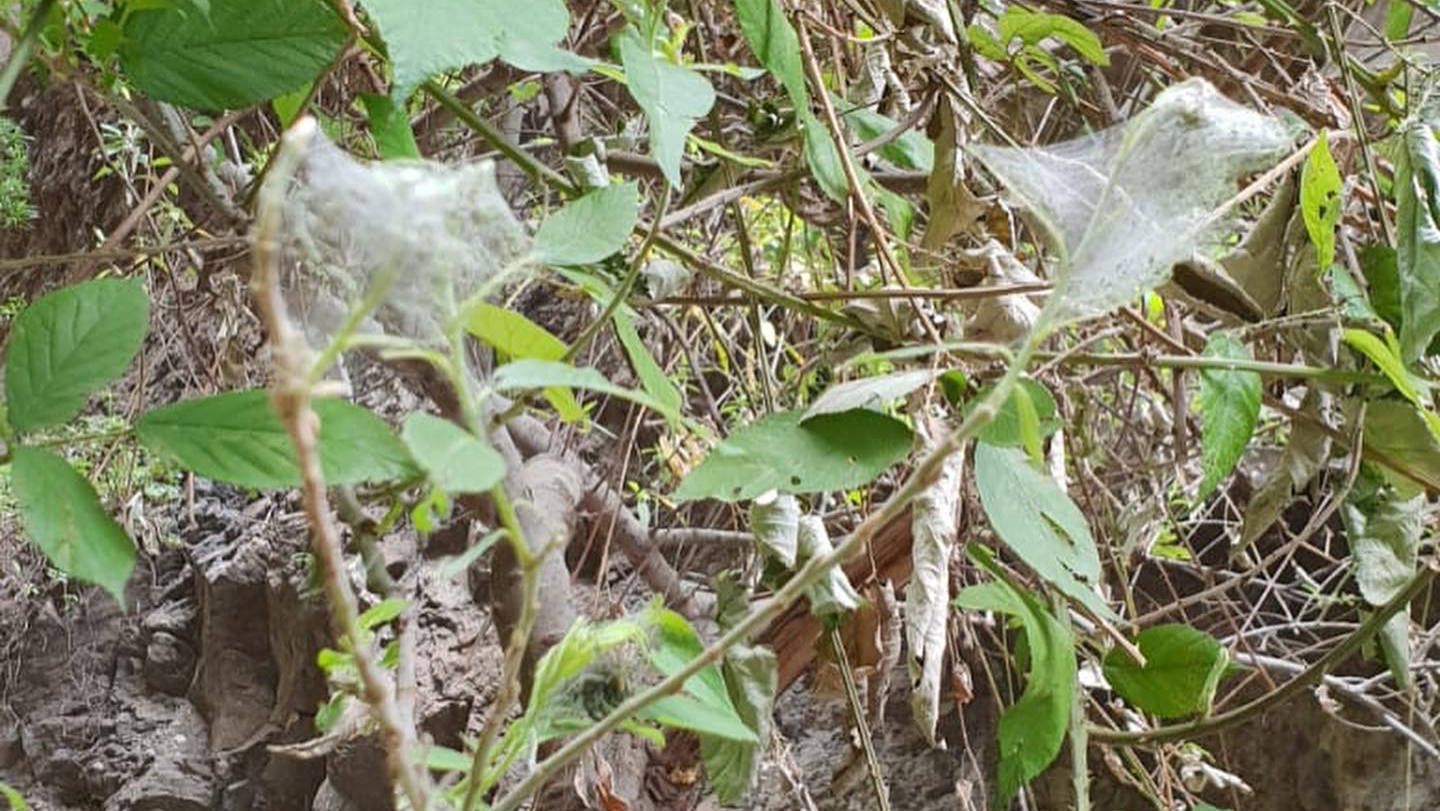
{"x": 706, "y": 706}
{"x": 1182, "y": 668}
{"x": 1031, "y": 730}
{"x": 541, "y": 374}
{"x": 68, "y": 344}
{"x": 589, "y": 228}
{"x": 673, "y": 99}
{"x": 390, "y": 127}
{"x": 733, "y": 766}
{"x": 246, "y": 52}
{"x": 1320, "y": 187}
{"x": 439, "y": 35}
{"x": 14, "y": 799}
{"x": 236, "y": 437}
{"x": 1417, "y": 237}
{"x": 455, "y": 459}
{"x": 1229, "y": 407}
{"x": 778, "y": 452}
{"x": 1006, "y": 429}
{"x": 1385, "y": 354}
{"x": 1039, "y": 523}
{"x": 516, "y": 336}
{"x": 64, "y": 517}
{"x": 1030, "y": 27}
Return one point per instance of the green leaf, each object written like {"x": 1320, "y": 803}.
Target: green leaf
{"x": 1398, "y": 14}
{"x": 1182, "y": 668}
{"x": 13, "y": 798}
{"x": 455, "y": 459}
{"x": 589, "y": 228}
{"x": 912, "y": 150}
{"x": 778, "y": 452}
{"x": 1396, "y": 430}
{"x": 440, "y": 35}
{"x": 1039, "y": 523}
{"x": 1380, "y": 265}
{"x": 68, "y": 344}
{"x": 1030, "y": 731}
{"x": 673, "y": 99}
{"x": 518, "y": 337}
{"x": 237, "y": 437}
{"x": 707, "y": 707}
{"x": 541, "y": 374}
{"x": 1229, "y": 407}
{"x": 390, "y": 127}
{"x": 653, "y": 378}
{"x": 1384, "y": 533}
{"x": 63, "y": 516}
{"x": 732, "y": 767}
{"x": 868, "y": 392}
{"x": 773, "y": 41}
{"x": 246, "y": 52}
{"x": 1385, "y": 355}
{"x": 1417, "y": 237}
{"x": 1005, "y": 429}
{"x": 383, "y": 612}
{"x": 1030, "y": 27}
{"x": 1320, "y": 204}
{"x": 824, "y": 159}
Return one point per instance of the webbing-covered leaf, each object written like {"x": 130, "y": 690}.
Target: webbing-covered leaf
{"x": 751, "y": 674}
{"x": 934, "y": 524}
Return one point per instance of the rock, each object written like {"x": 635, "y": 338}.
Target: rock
{"x": 169, "y": 664}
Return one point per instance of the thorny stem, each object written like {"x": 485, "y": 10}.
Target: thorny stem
{"x": 291, "y": 397}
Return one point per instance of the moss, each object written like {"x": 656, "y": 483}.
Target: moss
{"x": 15, "y": 208}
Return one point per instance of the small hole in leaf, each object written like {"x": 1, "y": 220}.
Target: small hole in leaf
{"x": 795, "y": 481}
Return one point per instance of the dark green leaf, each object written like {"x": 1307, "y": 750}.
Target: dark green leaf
{"x": 1320, "y": 203}
{"x": 824, "y": 159}
{"x": 246, "y": 52}
{"x": 684, "y": 712}
{"x": 68, "y": 344}
{"x": 778, "y": 452}
{"x": 439, "y": 35}
{"x": 912, "y": 150}
{"x": 1031, "y": 730}
{"x": 1182, "y": 668}
{"x": 64, "y": 517}
{"x": 1382, "y": 277}
{"x": 1039, "y": 523}
{"x": 390, "y": 127}
{"x": 706, "y": 707}
{"x": 456, "y": 461}
{"x": 1417, "y": 237}
{"x": 237, "y": 438}
{"x": 657, "y": 384}
{"x": 1229, "y": 407}
{"x": 590, "y": 228}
